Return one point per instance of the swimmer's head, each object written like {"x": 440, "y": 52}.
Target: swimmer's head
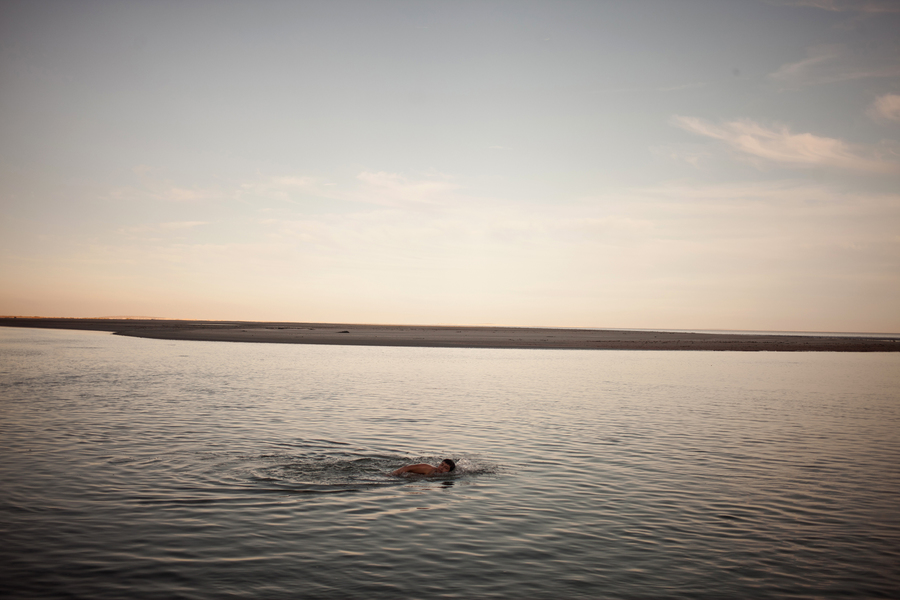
{"x": 449, "y": 463}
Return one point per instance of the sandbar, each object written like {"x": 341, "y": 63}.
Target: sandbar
{"x": 446, "y": 336}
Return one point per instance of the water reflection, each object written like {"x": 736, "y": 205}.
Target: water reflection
{"x": 260, "y": 470}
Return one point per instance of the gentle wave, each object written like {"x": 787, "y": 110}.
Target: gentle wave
{"x": 161, "y": 469}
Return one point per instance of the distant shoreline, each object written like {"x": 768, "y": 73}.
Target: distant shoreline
{"x": 445, "y": 336}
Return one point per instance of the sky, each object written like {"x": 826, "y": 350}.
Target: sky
{"x": 671, "y": 164}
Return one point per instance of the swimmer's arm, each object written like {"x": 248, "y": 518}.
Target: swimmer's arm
{"x": 421, "y": 469}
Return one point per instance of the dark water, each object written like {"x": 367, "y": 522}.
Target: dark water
{"x": 151, "y": 469}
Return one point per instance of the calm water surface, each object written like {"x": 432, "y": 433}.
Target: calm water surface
{"x": 155, "y": 469}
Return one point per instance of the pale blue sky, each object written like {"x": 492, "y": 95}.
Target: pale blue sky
{"x": 671, "y": 164}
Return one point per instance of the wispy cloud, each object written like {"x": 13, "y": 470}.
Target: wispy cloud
{"x": 283, "y": 188}
{"x": 815, "y": 57}
{"x": 152, "y": 189}
{"x": 183, "y": 224}
{"x": 372, "y": 187}
{"x": 832, "y": 63}
{"x": 158, "y": 230}
{"x": 781, "y": 146}
{"x": 886, "y": 107}
{"x": 863, "y": 6}
{"x": 724, "y": 250}
{"x": 394, "y": 189}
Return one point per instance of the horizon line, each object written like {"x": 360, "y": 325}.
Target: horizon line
{"x": 585, "y": 328}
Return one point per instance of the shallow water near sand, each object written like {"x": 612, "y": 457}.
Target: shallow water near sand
{"x": 157, "y": 469}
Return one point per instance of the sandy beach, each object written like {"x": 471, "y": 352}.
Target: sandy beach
{"x": 462, "y": 336}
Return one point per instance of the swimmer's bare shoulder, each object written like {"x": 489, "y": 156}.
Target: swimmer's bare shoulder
{"x": 425, "y": 469}
{"x": 420, "y": 469}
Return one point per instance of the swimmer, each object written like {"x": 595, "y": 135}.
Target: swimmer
{"x": 446, "y": 466}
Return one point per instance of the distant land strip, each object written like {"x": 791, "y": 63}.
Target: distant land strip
{"x": 445, "y": 336}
